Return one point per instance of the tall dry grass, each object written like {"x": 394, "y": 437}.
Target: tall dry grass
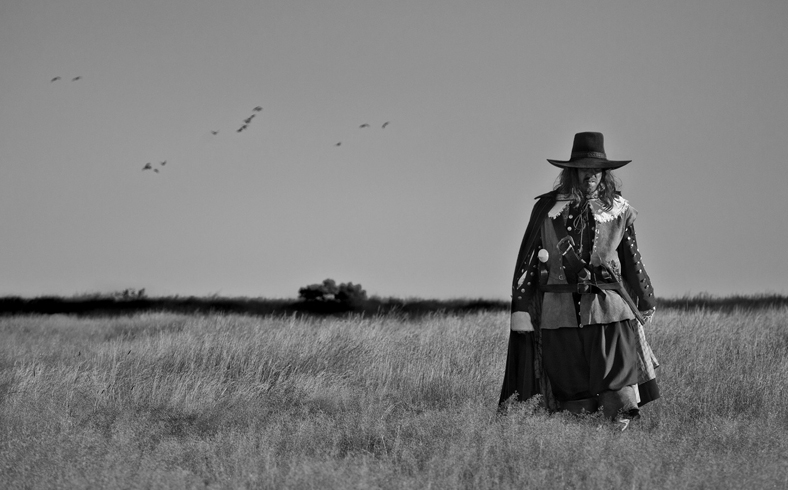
{"x": 169, "y": 401}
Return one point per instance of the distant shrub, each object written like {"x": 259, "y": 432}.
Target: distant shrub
{"x": 352, "y": 294}
{"x": 129, "y": 293}
{"x": 345, "y": 296}
{"x": 319, "y": 292}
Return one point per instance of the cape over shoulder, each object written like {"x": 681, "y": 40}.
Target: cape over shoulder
{"x": 547, "y": 194}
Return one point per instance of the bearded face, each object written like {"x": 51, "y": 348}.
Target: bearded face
{"x": 589, "y": 180}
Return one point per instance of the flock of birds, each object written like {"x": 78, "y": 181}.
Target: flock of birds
{"x": 246, "y": 122}
{"x": 365, "y": 125}
{"x": 148, "y": 166}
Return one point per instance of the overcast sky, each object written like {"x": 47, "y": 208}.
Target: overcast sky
{"x": 477, "y": 96}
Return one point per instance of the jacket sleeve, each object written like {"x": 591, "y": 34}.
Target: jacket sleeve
{"x": 634, "y": 273}
{"x": 526, "y": 273}
{"x": 526, "y": 278}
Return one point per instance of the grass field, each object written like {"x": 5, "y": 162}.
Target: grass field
{"x": 224, "y": 401}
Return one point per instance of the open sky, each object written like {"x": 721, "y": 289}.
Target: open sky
{"x": 477, "y": 96}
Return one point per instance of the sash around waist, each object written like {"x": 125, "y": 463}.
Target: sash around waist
{"x": 581, "y": 287}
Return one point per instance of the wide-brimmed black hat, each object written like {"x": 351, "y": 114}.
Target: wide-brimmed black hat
{"x": 588, "y": 151}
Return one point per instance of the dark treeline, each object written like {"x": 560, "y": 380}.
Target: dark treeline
{"x": 99, "y": 305}
{"x": 726, "y": 303}
{"x": 109, "y": 305}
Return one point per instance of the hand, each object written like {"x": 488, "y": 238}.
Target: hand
{"x": 521, "y": 322}
{"x": 648, "y": 314}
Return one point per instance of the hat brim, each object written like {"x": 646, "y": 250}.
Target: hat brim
{"x": 590, "y": 163}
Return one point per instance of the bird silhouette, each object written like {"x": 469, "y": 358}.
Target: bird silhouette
{"x": 365, "y": 125}
{"x": 75, "y": 79}
{"x": 339, "y": 144}
{"x": 214, "y": 133}
{"x": 147, "y": 166}
{"x": 257, "y": 109}
{"x": 156, "y": 170}
{"x": 384, "y": 125}
{"x": 249, "y": 119}
{"x": 242, "y": 128}
{"x": 54, "y": 79}
{"x": 164, "y": 163}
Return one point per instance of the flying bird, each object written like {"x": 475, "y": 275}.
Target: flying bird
{"x": 384, "y": 125}
{"x": 75, "y": 79}
{"x": 249, "y": 119}
{"x": 164, "y": 163}
{"x": 156, "y": 170}
{"x": 214, "y": 132}
{"x": 54, "y": 79}
{"x": 339, "y": 144}
{"x": 365, "y": 125}
{"x": 242, "y": 128}
{"x": 147, "y": 166}
{"x": 257, "y": 109}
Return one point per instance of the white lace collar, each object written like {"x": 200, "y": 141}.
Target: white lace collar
{"x": 601, "y": 215}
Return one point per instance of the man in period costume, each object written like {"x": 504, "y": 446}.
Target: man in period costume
{"x": 581, "y": 296}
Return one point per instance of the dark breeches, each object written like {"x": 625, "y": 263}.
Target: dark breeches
{"x": 592, "y": 366}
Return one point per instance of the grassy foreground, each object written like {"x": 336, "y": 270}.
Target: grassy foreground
{"x": 224, "y": 401}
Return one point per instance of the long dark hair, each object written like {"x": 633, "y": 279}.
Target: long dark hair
{"x": 568, "y": 183}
